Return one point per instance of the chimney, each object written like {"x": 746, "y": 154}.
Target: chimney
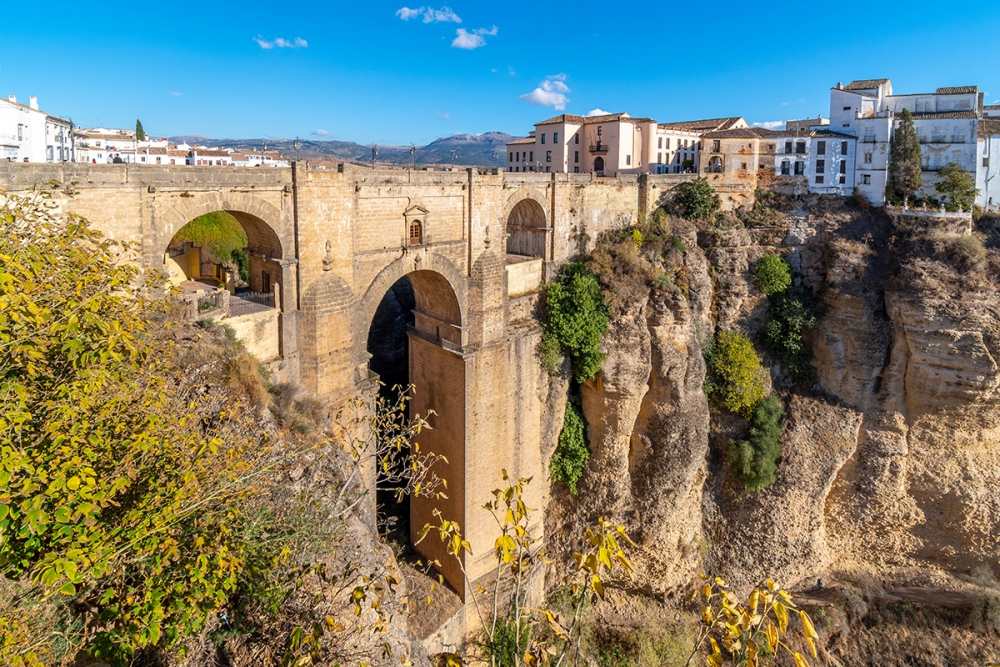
{"x": 840, "y": 86}
{"x": 12, "y": 98}
{"x": 33, "y": 102}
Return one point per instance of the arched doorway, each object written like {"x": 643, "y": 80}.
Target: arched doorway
{"x": 526, "y": 229}
{"x": 415, "y": 337}
{"x": 226, "y": 265}
{"x": 599, "y": 165}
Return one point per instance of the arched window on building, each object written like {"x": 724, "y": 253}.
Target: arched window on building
{"x": 416, "y": 232}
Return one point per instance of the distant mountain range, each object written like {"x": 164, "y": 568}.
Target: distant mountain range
{"x": 474, "y": 150}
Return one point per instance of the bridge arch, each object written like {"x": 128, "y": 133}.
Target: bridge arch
{"x": 410, "y": 321}
{"x": 260, "y": 220}
{"x": 526, "y": 222}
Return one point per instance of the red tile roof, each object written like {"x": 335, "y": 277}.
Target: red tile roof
{"x": 865, "y": 84}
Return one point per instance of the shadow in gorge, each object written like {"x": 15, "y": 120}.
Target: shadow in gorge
{"x": 389, "y": 346}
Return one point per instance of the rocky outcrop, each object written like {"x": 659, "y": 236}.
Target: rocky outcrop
{"x": 890, "y": 457}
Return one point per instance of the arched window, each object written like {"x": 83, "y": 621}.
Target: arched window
{"x": 599, "y": 163}
{"x": 416, "y": 232}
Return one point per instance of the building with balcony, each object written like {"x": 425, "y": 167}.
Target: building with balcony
{"x": 947, "y": 122}
{"x": 612, "y": 144}
{"x": 810, "y": 160}
{"x": 28, "y": 134}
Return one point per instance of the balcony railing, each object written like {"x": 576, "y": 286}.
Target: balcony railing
{"x": 598, "y": 148}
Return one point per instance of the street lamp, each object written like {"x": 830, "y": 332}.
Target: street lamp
{"x": 413, "y": 154}
{"x": 374, "y": 155}
{"x": 454, "y": 157}
{"x": 295, "y": 145}
{"x": 496, "y": 160}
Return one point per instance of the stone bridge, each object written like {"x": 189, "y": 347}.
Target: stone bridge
{"x": 334, "y": 241}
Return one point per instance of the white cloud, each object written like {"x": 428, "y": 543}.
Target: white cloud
{"x": 596, "y": 112}
{"x": 444, "y": 115}
{"x": 321, "y": 133}
{"x": 406, "y": 13}
{"x": 443, "y": 15}
{"x": 512, "y": 72}
{"x": 472, "y": 40}
{"x": 550, "y": 93}
{"x": 771, "y": 124}
{"x": 281, "y": 43}
{"x": 431, "y": 15}
{"x": 174, "y": 93}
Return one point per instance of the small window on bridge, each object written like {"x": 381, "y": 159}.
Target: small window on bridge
{"x": 416, "y": 235}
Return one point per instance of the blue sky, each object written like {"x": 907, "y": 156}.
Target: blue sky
{"x": 396, "y": 73}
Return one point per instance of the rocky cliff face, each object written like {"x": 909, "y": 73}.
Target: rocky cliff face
{"x": 889, "y": 457}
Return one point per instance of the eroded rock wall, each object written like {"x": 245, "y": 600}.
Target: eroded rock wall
{"x": 890, "y": 457}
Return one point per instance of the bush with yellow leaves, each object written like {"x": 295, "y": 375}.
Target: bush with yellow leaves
{"x": 748, "y": 634}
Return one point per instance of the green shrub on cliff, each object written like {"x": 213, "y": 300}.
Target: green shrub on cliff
{"x": 755, "y": 459}
{"x": 696, "y": 199}
{"x": 576, "y": 317}
{"x": 789, "y": 317}
{"x": 736, "y": 374}
{"x": 774, "y": 274}
{"x": 572, "y": 452}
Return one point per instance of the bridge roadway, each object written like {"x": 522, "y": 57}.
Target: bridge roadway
{"x": 334, "y": 241}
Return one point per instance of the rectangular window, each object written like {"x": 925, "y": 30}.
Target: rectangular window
{"x": 531, "y": 156}
{"x": 986, "y": 162}
{"x": 819, "y": 179}
{"x": 866, "y": 179}
{"x": 820, "y": 166}
{"x": 628, "y": 160}
{"x": 548, "y": 156}
{"x": 659, "y": 158}
{"x": 847, "y": 108}
{"x": 820, "y": 148}
{"x": 868, "y": 157}
{"x": 843, "y": 147}
{"x": 869, "y": 134}
{"x": 843, "y": 166}
{"x": 800, "y": 168}
{"x": 785, "y": 168}
{"x": 576, "y": 156}
{"x": 576, "y": 170}
{"x": 788, "y": 146}
{"x": 668, "y": 143}
{"x": 716, "y": 145}
{"x": 548, "y": 170}
{"x": 659, "y": 142}
{"x": 843, "y": 179}
{"x": 543, "y": 137}
{"x": 576, "y": 138}
{"x": 555, "y": 137}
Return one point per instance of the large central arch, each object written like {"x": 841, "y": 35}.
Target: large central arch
{"x": 437, "y": 370}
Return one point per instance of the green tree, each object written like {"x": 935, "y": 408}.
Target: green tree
{"x": 735, "y": 373}
{"x": 755, "y": 459}
{"x": 696, "y": 199}
{"x": 958, "y": 187}
{"x": 575, "y": 315}
{"x": 573, "y": 452}
{"x": 140, "y": 134}
{"x": 774, "y": 274}
{"x": 904, "y": 159}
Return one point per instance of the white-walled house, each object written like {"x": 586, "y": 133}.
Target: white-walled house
{"x": 946, "y": 121}
{"x": 988, "y": 156}
{"x": 28, "y": 134}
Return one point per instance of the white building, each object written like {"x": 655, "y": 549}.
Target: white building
{"x": 947, "y": 123}
{"x": 28, "y": 134}
{"x": 988, "y": 155}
